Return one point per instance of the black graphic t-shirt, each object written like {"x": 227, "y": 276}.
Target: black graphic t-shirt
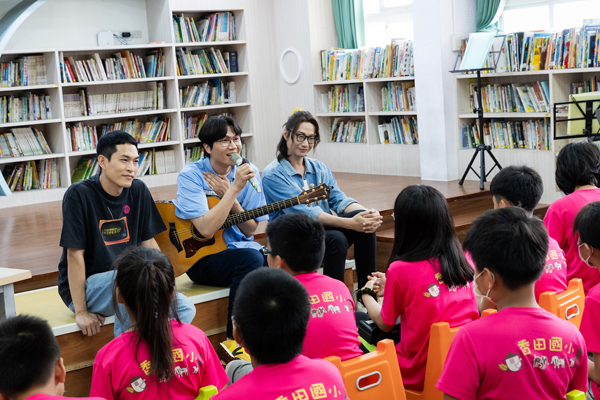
{"x": 104, "y": 225}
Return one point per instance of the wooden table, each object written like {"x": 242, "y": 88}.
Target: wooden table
{"x": 8, "y": 276}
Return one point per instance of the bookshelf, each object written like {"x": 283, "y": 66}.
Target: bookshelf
{"x": 161, "y": 30}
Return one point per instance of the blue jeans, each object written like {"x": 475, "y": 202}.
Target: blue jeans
{"x": 98, "y": 292}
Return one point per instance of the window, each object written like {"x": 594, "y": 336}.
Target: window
{"x": 528, "y": 15}
{"x": 386, "y": 20}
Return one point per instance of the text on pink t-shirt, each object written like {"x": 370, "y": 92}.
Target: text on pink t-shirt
{"x": 331, "y": 327}
{"x": 415, "y": 292}
{"x": 559, "y": 222}
{"x": 121, "y": 374}
{"x": 590, "y": 327}
{"x": 554, "y": 277}
{"x": 302, "y": 379}
{"x": 517, "y": 353}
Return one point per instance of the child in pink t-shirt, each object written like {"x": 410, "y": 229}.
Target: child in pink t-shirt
{"x": 521, "y": 186}
{"x": 428, "y": 279}
{"x": 577, "y": 176}
{"x": 523, "y": 351}
{"x": 159, "y": 357}
{"x": 270, "y": 316}
{"x": 31, "y": 367}
{"x": 586, "y": 227}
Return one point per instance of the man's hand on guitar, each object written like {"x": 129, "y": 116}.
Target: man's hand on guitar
{"x": 219, "y": 184}
{"x": 243, "y": 174}
{"x": 89, "y": 323}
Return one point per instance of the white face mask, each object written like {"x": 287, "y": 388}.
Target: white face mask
{"x": 478, "y": 292}
{"x": 585, "y": 260}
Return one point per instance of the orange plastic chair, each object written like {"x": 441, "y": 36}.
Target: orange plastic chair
{"x": 487, "y": 312}
{"x": 567, "y": 305}
{"x": 440, "y": 339}
{"x": 375, "y": 375}
{"x": 207, "y": 392}
{"x": 575, "y": 395}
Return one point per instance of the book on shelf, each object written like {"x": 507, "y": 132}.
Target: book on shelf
{"x": 23, "y": 142}
{"x": 211, "y": 92}
{"x": 24, "y": 71}
{"x": 26, "y": 106}
{"x": 85, "y": 168}
{"x": 85, "y": 104}
{"x": 203, "y": 61}
{"x": 344, "y": 98}
{"x": 397, "y": 130}
{"x": 398, "y": 96}
{"x": 4, "y": 189}
{"x": 591, "y": 85}
{"x": 348, "y": 131}
{"x": 194, "y": 153}
{"x": 209, "y": 28}
{"x": 27, "y": 175}
{"x": 154, "y": 162}
{"x": 512, "y": 97}
{"x": 530, "y": 134}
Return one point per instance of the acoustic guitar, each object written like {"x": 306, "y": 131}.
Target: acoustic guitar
{"x": 183, "y": 243}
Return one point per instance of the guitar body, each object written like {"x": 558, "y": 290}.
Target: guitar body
{"x": 182, "y": 242}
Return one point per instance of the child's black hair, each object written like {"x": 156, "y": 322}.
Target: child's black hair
{"x": 271, "y": 312}
{"x": 509, "y": 243}
{"x": 519, "y": 185}
{"x": 215, "y": 128}
{"x": 299, "y": 240}
{"x": 586, "y": 224}
{"x": 424, "y": 229}
{"x": 577, "y": 164}
{"x": 107, "y": 144}
{"x": 146, "y": 282}
{"x": 292, "y": 125}
{"x": 28, "y": 354}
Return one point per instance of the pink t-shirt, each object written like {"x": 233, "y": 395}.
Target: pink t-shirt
{"x": 559, "y": 221}
{"x": 554, "y": 277}
{"x": 44, "y": 396}
{"x": 121, "y": 374}
{"x": 590, "y": 327}
{"x": 415, "y": 291}
{"x": 332, "y": 327}
{"x": 517, "y": 353}
{"x": 300, "y": 379}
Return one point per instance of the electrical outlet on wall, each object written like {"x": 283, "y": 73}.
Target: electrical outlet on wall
{"x": 134, "y": 34}
{"x": 456, "y": 42}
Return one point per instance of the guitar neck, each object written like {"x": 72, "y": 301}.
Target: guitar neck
{"x": 247, "y": 215}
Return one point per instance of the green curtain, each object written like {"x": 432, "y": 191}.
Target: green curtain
{"x": 488, "y": 14}
{"x": 349, "y": 23}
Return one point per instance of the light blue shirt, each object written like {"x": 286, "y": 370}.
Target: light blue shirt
{"x": 281, "y": 181}
{"x": 192, "y": 191}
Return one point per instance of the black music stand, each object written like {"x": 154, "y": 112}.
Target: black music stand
{"x": 588, "y": 113}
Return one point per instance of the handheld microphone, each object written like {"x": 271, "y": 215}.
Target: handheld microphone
{"x": 238, "y": 160}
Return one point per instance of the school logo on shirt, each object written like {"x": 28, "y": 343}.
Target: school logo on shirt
{"x": 138, "y": 385}
{"x": 513, "y": 363}
{"x": 114, "y": 231}
{"x": 432, "y": 291}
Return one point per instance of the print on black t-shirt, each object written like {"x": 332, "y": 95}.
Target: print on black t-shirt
{"x": 114, "y": 231}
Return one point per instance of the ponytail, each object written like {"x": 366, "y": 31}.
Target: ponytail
{"x": 146, "y": 282}
{"x": 291, "y": 126}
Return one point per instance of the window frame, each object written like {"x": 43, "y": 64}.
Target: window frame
{"x": 389, "y": 15}
{"x": 519, "y": 4}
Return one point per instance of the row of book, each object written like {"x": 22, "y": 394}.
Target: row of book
{"x": 26, "y": 107}
{"x": 511, "y": 97}
{"x": 209, "y": 28}
{"x": 591, "y": 85}
{"x": 398, "y": 96}
{"x": 345, "y": 98}
{"x": 83, "y": 103}
{"x": 154, "y": 162}
{"x": 193, "y": 154}
{"x": 192, "y": 125}
{"x": 29, "y": 175}
{"x": 213, "y": 91}
{"x": 205, "y": 61}
{"x": 393, "y": 60}
{"x": 533, "y": 134}
{"x": 85, "y": 168}
{"x": 348, "y": 131}
{"x": 22, "y": 142}
{"x": 24, "y": 71}
{"x": 123, "y": 65}
{"x": 398, "y": 130}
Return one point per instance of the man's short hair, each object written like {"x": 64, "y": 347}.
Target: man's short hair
{"x": 215, "y": 128}
{"x": 521, "y": 186}
{"x": 271, "y": 312}
{"x": 28, "y": 354}
{"x": 586, "y": 224}
{"x": 107, "y": 144}
{"x": 299, "y": 240}
{"x": 509, "y": 243}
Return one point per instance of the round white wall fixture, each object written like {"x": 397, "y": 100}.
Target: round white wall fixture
{"x": 282, "y": 69}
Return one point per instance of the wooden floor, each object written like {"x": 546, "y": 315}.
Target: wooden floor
{"x": 29, "y": 235}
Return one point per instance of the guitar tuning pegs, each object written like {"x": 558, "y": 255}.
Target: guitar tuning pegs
{"x": 312, "y": 185}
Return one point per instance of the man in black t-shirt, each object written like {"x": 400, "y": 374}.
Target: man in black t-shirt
{"x": 102, "y": 216}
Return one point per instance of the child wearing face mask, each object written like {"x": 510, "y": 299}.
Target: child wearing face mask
{"x": 586, "y": 227}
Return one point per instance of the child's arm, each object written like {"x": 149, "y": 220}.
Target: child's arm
{"x": 594, "y": 368}
{"x": 374, "y": 309}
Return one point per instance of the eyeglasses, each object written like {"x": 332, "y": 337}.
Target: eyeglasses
{"x": 225, "y": 142}
{"x": 301, "y": 137}
{"x": 266, "y": 251}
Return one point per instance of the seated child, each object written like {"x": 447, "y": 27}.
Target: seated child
{"x": 586, "y": 226}
{"x": 521, "y": 186}
{"x": 159, "y": 357}
{"x": 523, "y": 351}
{"x": 270, "y": 316}
{"x": 428, "y": 279}
{"x": 30, "y": 363}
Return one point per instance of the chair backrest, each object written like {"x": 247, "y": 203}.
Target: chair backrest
{"x": 567, "y": 305}
{"x": 207, "y": 392}
{"x": 575, "y": 395}
{"x": 440, "y": 339}
{"x": 488, "y": 311}
{"x": 374, "y": 375}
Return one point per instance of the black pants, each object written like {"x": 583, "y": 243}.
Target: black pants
{"x": 337, "y": 242}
